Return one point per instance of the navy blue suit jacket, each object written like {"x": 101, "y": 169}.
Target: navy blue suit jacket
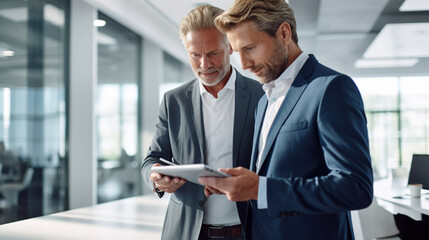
{"x": 316, "y": 159}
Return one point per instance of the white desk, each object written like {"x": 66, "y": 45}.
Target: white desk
{"x": 132, "y": 218}
{"x": 386, "y": 191}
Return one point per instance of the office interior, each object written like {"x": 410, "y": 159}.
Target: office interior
{"x": 81, "y": 81}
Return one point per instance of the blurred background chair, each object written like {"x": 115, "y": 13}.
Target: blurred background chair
{"x": 10, "y": 190}
{"x": 374, "y": 222}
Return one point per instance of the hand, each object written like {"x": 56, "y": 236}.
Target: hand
{"x": 241, "y": 186}
{"x": 209, "y": 191}
{"x": 166, "y": 183}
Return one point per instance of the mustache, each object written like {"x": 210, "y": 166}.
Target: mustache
{"x": 255, "y": 68}
{"x": 210, "y": 70}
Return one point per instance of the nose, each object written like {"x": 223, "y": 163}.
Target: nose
{"x": 205, "y": 62}
{"x": 245, "y": 62}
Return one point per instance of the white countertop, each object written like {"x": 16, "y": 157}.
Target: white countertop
{"x": 132, "y": 218}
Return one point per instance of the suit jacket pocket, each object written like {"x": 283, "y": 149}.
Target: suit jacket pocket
{"x": 289, "y": 127}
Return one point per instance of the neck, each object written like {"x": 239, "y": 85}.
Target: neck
{"x": 294, "y": 52}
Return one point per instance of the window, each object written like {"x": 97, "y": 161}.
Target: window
{"x": 117, "y": 111}
{"x": 397, "y": 110}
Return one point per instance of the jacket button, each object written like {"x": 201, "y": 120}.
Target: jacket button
{"x": 201, "y": 203}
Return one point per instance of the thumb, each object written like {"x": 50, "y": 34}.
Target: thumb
{"x": 233, "y": 171}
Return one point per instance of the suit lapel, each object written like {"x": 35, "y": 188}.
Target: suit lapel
{"x": 262, "y": 107}
{"x": 194, "y": 99}
{"x": 242, "y": 96}
{"x": 292, "y": 97}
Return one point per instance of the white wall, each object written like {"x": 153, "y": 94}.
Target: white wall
{"x": 83, "y": 82}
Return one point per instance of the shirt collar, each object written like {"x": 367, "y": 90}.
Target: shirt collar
{"x": 230, "y": 84}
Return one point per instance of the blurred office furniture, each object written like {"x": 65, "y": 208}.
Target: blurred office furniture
{"x": 118, "y": 179}
{"x": 396, "y": 199}
{"x": 419, "y": 170}
{"x": 10, "y": 190}
{"x": 132, "y": 218}
{"x": 373, "y": 222}
{"x": 399, "y": 177}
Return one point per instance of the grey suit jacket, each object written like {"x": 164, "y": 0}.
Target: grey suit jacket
{"x": 180, "y": 134}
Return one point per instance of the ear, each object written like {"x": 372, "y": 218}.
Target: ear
{"x": 284, "y": 32}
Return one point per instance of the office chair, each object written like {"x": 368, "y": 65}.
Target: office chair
{"x": 11, "y": 190}
{"x": 373, "y": 222}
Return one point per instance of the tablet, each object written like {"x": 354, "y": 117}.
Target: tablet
{"x": 190, "y": 172}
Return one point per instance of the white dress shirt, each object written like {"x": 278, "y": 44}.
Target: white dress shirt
{"x": 276, "y": 92}
{"x": 218, "y": 117}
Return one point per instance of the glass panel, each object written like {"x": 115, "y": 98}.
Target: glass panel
{"x": 33, "y": 107}
{"x": 414, "y": 117}
{"x": 117, "y": 111}
{"x": 379, "y": 93}
{"x": 383, "y": 139}
{"x": 393, "y": 106}
{"x": 380, "y": 96}
{"x": 415, "y": 93}
{"x": 175, "y": 74}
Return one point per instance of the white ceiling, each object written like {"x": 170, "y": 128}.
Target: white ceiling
{"x": 338, "y": 32}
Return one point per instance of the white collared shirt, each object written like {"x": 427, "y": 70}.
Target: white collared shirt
{"x": 276, "y": 92}
{"x": 218, "y": 117}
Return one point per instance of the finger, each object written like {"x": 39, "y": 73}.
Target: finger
{"x": 212, "y": 181}
{"x": 166, "y": 179}
{"x": 207, "y": 192}
{"x": 234, "y": 171}
{"x": 213, "y": 190}
{"x": 176, "y": 181}
{"x": 154, "y": 176}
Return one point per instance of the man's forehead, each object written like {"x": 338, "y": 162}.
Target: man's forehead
{"x": 200, "y": 40}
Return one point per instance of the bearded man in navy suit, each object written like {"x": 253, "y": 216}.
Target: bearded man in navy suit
{"x": 310, "y": 162}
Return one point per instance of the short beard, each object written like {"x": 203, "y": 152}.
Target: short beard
{"x": 277, "y": 63}
{"x": 223, "y": 70}
{"x": 212, "y": 83}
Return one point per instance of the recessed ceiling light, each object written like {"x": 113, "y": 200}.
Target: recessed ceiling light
{"x": 414, "y": 5}
{"x": 7, "y": 53}
{"x": 99, "y": 23}
{"x": 403, "y": 40}
{"x": 385, "y": 63}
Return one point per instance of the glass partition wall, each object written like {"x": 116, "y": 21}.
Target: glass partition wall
{"x": 33, "y": 157}
{"x": 117, "y": 110}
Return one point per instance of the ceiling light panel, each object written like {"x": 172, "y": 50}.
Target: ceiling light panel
{"x": 386, "y": 63}
{"x": 414, "y": 5}
{"x": 400, "y": 40}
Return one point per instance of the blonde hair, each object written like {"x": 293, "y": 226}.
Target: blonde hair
{"x": 266, "y": 15}
{"x": 199, "y": 18}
